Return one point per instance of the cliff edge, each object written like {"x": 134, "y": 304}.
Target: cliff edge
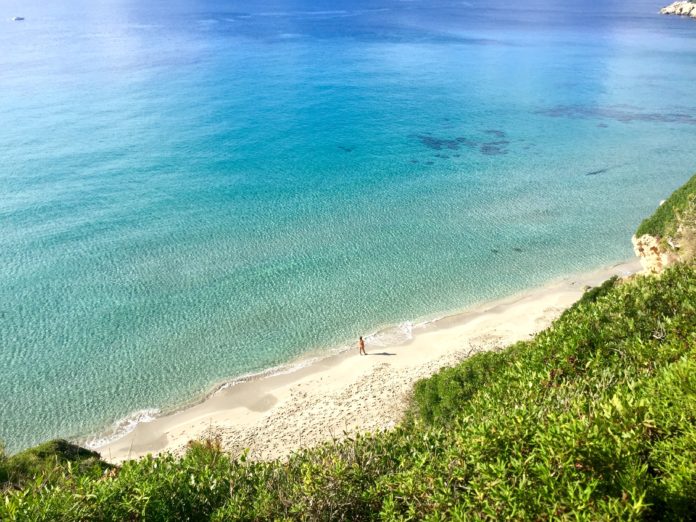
{"x": 669, "y": 235}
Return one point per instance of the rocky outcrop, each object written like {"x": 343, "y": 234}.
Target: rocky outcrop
{"x": 682, "y": 8}
{"x": 668, "y": 236}
{"x": 653, "y": 258}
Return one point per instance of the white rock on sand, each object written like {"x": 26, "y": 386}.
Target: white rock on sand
{"x": 682, "y": 8}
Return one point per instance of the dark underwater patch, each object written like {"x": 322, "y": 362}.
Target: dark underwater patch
{"x": 495, "y": 132}
{"x": 439, "y": 143}
{"x": 492, "y": 150}
{"x": 487, "y": 148}
{"x": 622, "y": 115}
{"x": 466, "y": 141}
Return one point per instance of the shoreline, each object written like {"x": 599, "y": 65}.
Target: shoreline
{"x": 342, "y": 393}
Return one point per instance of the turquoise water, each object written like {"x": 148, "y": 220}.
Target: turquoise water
{"x": 194, "y": 191}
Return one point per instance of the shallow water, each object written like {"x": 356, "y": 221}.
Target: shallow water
{"x": 192, "y": 191}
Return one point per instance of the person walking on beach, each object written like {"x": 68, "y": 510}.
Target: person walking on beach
{"x": 361, "y": 345}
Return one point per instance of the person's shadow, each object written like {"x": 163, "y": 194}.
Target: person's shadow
{"x": 381, "y": 353}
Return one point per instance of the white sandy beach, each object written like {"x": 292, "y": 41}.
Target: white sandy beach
{"x": 347, "y": 393}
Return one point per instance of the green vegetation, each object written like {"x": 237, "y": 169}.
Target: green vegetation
{"x": 46, "y": 458}
{"x": 679, "y": 208}
{"x": 594, "y": 419}
{"x": 674, "y": 223}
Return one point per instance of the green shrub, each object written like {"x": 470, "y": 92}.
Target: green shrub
{"x": 665, "y": 220}
{"x": 583, "y": 413}
{"x": 595, "y": 292}
{"x": 442, "y": 396}
{"x": 48, "y": 458}
{"x": 4, "y": 474}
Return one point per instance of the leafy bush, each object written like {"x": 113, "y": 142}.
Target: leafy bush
{"x": 665, "y": 220}
{"x": 440, "y": 398}
{"x": 47, "y": 458}
{"x": 582, "y": 412}
{"x": 4, "y": 474}
{"x": 594, "y": 293}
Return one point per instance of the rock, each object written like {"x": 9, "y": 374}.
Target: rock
{"x": 653, "y": 258}
{"x": 681, "y": 8}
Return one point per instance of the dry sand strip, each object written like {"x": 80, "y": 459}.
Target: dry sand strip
{"x": 347, "y": 393}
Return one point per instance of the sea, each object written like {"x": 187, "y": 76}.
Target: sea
{"x": 198, "y": 191}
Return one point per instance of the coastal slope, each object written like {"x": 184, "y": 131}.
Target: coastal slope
{"x": 594, "y": 418}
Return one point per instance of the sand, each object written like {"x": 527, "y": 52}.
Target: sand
{"x": 347, "y": 393}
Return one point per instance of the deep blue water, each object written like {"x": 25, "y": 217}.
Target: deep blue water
{"x": 192, "y": 191}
